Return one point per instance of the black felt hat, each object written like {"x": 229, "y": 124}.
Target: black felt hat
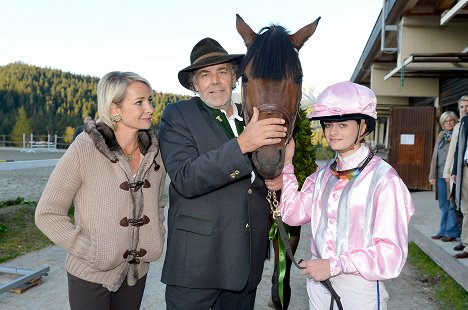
{"x": 205, "y": 53}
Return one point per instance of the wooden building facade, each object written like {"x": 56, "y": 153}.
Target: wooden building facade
{"x": 416, "y": 61}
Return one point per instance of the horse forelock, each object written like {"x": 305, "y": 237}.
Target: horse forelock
{"x": 272, "y": 56}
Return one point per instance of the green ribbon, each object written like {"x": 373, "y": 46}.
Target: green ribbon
{"x": 221, "y": 119}
{"x": 272, "y": 234}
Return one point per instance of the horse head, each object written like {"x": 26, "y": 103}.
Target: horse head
{"x": 272, "y": 82}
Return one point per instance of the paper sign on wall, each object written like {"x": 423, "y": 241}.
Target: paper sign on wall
{"x": 407, "y": 139}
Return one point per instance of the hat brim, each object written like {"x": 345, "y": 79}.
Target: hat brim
{"x": 370, "y": 121}
{"x": 335, "y": 118}
{"x": 184, "y": 74}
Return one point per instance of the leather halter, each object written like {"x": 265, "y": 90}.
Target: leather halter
{"x": 270, "y": 107}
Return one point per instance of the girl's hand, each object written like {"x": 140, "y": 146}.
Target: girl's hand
{"x": 316, "y": 269}
{"x": 275, "y": 184}
{"x": 289, "y": 154}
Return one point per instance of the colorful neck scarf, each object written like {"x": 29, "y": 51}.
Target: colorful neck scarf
{"x": 445, "y": 139}
{"x": 350, "y": 173}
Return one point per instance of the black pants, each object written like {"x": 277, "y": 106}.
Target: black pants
{"x": 459, "y": 219}
{"x": 85, "y": 295}
{"x": 183, "y": 298}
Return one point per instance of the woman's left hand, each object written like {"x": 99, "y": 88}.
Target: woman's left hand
{"x": 316, "y": 269}
{"x": 289, "y": 152}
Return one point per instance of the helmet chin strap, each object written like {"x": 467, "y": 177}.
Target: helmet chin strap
{"x": 358, "y": 138}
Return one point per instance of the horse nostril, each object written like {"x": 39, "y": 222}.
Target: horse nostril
{"x": 281, "y": 158}
{"x": 255, "y": 155}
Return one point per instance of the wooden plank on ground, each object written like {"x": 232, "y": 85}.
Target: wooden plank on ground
{"x": 26, "y": 285}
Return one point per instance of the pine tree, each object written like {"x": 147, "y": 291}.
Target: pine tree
{"x": 21, "y": 127}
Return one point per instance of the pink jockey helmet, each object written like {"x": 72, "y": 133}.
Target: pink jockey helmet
{"x": 345, "y": 101}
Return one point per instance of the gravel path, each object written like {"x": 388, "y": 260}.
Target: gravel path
{"x": 26, "y": 183}
{"x": 406, "y": 292}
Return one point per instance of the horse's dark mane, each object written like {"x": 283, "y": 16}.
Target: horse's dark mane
{"x": 273, "y": 55}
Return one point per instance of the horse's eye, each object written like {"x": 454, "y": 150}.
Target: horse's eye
{"x": 244, "y": 78}
{"x": 298, "y": 80}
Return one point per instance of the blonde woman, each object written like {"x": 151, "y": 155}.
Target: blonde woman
{"x": 114, "y": 176}
{"x": 448, "y": 229}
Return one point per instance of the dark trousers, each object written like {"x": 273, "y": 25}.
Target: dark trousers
{"x": 183, "y": 298}
{"x": 459, "y": 219}
{"x": 85, "y": 295}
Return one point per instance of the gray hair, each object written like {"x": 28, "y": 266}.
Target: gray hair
{"x": 446, "y": 115}
{"x": 111, "y": 89}
{"x": 192, "y": 76}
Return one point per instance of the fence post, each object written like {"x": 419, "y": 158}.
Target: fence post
{"x": 31, "y": 142}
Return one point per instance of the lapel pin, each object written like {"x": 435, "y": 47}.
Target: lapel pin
{"x": 219, "y": 118}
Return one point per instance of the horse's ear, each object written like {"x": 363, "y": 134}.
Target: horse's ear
{"x": 245, "y": 31}
{"x": 298, "y": 39}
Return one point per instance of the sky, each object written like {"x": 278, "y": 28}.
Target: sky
{"x": 154, "y": 38}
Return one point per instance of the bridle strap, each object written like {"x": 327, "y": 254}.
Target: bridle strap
{"x": 276, "y": 214}
{"x": 270, "y": 107}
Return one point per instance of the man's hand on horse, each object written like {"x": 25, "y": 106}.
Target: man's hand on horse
{"x": 259, "y": 133}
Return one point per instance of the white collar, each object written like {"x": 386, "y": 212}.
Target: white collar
{"x": 235, "y": 112}
{"x": 353, "y": 160}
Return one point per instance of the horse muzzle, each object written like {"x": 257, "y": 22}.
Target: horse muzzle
{"x": 269, "y": 160}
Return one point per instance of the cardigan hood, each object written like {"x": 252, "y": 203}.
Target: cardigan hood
{"x": 106, "y": 143}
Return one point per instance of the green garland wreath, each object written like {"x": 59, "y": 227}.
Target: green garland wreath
{"x": 304, "y": 154}
{"x": 304, "y": 165}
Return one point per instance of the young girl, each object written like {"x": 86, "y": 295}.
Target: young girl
{"x": 357, "y": 205}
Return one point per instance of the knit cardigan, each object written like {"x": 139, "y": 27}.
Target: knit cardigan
{"x": 118, "y": 217}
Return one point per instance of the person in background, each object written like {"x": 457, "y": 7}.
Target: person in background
{"x": 357, "y": 205}
{"x": 114, "y": 176}
{"x": 463, "y": 110}
{"x": 448, "y": 229}
{"x": 79, "y": 129}
{"x": 460, "y": 178}
{"x": 218, "y": 213}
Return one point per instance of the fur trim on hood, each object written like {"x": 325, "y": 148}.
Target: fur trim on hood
{"x": 104, "y": 139}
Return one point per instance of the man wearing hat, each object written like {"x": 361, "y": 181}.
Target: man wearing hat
{"x": 218, "y": 214}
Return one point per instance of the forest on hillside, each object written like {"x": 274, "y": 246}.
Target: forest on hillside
{"x": 47, "y": 101}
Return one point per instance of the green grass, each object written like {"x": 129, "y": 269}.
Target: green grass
{"x": 448, "y": 293}
{"x": 18, "y": 233}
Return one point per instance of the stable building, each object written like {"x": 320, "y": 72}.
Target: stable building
{"x": 416, "y": 62}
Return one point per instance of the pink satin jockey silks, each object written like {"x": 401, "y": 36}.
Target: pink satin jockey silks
{"x": 360, "y": 225}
